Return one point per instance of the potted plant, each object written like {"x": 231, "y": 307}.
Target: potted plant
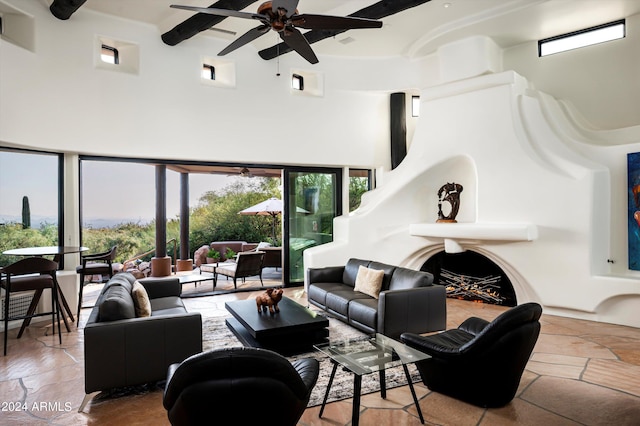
{"x": 213, "y": 256}
{"x": 230, "y": 254}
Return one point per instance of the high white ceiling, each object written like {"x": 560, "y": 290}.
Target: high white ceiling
{"x": 414, "y": 32}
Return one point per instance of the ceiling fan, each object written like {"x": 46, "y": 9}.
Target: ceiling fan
{"x": 282, "y": 17}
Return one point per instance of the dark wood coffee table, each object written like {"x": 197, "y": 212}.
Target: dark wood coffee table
{"x": 294, "y": 329}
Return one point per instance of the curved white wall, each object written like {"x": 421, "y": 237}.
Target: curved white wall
{"x": 514, "y": 151}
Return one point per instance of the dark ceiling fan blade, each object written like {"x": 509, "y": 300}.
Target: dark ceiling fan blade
{"x": 325, "y": 22}
{"x": 377, "y": 10}
{"x": 294, "y": 39}
{"x": 222, "y": 12}
{"x": 288, "y": 5}
{"x": 201, "y": 22}
{"x": 247, "y": 37}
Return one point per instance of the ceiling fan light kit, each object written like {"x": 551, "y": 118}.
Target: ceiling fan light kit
{"x": 282, "y": 16}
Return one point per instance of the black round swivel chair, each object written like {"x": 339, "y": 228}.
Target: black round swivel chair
{"x": 244, "y": 386}
{"x": 480, "y": 362}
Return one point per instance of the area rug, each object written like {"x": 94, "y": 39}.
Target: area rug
{"x": 216, "y": 335}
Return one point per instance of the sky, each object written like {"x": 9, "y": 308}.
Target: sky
{"x": 22, "y": 174}
{"x": 136, "y": 182}
{"x": 104, "y": 182}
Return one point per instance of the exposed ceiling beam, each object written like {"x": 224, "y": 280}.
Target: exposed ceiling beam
{"x": 377, "y": 10}
{"x": 201, "y": 22}
{"x": 63, "y": 9}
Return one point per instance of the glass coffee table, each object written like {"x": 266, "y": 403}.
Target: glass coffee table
{"x": 369, "y": 356}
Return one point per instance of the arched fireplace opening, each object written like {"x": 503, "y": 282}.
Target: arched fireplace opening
{"x": 471, "y": 276}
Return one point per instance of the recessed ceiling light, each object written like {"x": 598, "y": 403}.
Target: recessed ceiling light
{"x": 446, "y": 5}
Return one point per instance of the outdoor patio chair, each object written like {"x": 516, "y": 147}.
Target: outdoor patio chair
{"x": 95, "y": 264}
{"x": 30, "y": 274}
{"x": 248, "y": 264}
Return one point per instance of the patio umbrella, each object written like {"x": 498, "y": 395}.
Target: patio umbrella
{"x": 271, "y": 207}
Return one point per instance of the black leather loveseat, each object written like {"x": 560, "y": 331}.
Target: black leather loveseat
{"x": 122, "y": 349}
{"x": 408, "y": 301}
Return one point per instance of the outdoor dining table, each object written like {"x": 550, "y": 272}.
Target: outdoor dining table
{"x": 56, "y": 252}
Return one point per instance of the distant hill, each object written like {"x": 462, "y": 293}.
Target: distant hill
{"x": 95, "y": 223}
{"x": 36, "y": 221}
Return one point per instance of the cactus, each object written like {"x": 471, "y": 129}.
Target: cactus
{"x": 26, "y": 213}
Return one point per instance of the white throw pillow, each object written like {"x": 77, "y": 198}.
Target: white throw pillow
{"x": 369, "y": 281}
{"x": 141, "y": 300}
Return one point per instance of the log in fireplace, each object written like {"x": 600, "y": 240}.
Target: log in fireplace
{"x": 471, "y": 276}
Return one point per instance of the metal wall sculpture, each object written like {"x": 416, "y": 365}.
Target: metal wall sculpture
{"x": 449, "y": 193}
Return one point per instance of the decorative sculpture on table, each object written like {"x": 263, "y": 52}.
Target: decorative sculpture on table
{"x": 269, "y": 299}
{"x": 449, "y": 193}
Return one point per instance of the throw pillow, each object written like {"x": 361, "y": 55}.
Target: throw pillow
{"x": 262, "y": 245}
{"x": 141, "y": 300}
{"x": 369, "y": 281}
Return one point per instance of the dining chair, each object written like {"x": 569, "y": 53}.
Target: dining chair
{"x": 30, "y": 274}
{"x": 94, "y": 264}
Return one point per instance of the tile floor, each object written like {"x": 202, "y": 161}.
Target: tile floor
{"x": 581, "y": 373}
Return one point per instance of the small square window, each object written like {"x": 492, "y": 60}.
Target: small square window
{"x": 415, "y": 106}
{"x": 109, "y": 55}
{"x": 208, "y": 72}
{"x": 297, "y": 82}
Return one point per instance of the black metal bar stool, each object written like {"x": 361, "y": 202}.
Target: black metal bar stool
{"x": 31, "y": 274}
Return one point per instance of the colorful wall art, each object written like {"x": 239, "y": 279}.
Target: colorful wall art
{"x": 633, "y": 219}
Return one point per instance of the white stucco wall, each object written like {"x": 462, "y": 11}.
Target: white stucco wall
{"x": 57, "y": 98}
{"x": 521, "y": 159}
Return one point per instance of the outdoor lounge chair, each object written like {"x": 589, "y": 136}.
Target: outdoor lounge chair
{"x": 248, "y": 264}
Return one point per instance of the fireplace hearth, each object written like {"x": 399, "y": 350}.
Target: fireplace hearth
{"x": 471, "y": 276}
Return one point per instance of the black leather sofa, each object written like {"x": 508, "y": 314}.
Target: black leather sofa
{"x": 408, "y": 300}
{"x": 121, "y": 349}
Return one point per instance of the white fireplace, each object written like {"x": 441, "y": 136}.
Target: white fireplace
{"x": 544, "y": 196}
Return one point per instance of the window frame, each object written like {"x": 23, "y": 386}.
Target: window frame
{"x": 297, "y": 78}
{"x": 212, "y": 72}
{"x": 542, "y": 42}
{"x": 60, "y": 186}
{"x": 116, "y": 54}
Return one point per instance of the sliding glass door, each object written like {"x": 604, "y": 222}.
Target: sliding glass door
{"x": 313, "y": 200}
